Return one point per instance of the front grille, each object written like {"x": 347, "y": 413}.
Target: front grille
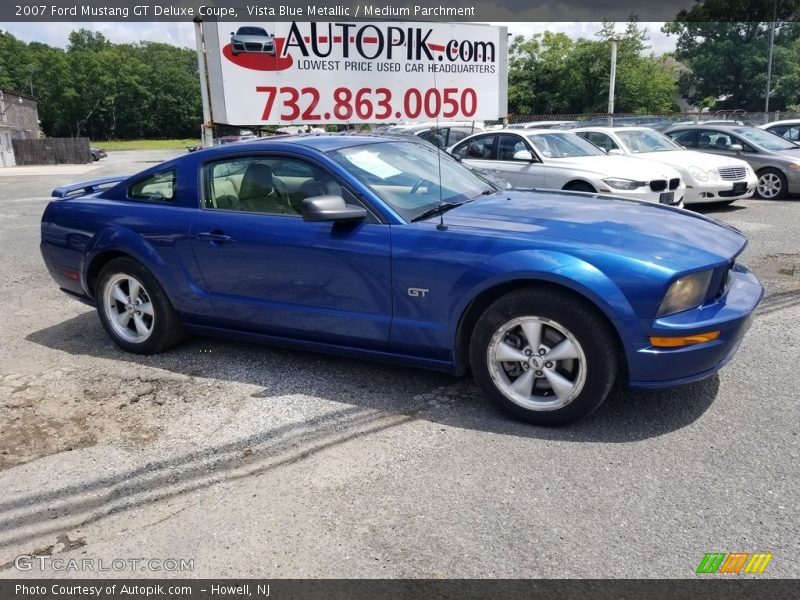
{"x": 674, "y": 183}
{"x": 658, "y": 185}
{"x": 732, "y": 173}
{"x": 254, "y": 47}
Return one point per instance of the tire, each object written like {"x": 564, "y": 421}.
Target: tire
{"x": 147, "y": 330}
{"x": 579, "y": 186}
{"x": 587, "y": 357}
{"x": 772, "y": 185}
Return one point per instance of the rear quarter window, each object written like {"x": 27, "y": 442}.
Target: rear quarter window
{"x": 159, "y": 187}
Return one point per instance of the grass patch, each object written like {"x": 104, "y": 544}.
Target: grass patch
{"x": 112, "y": 145}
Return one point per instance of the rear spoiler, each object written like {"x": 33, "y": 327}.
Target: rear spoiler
{"x": 86, "y": 187}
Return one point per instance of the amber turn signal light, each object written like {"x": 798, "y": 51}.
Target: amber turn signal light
{"x": 686, "y": 340}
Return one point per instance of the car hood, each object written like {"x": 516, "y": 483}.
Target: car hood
{"x": 690, "y": 158}
{"x": 685, "y": 239}
{"x": 616, "y": 166}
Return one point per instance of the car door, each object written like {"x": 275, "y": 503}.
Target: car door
{"x": 517, "y": 163}
{"x": 478, "y": 151}
{"x": 266, "y": 269}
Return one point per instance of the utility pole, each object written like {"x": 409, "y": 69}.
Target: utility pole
{"x": 769, "y": 63}
{"x": 31, "y": 69}
{"x": 612, "y": 81}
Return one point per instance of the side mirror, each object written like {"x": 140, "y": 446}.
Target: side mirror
{"x": 456, "y": 157}
{"x": 736, "y": 147}
{"x": 232, "y": 33}
{"x": 523, "y": 155}
{"x": 331, "y": 208}
{"x": 615, "y": 152}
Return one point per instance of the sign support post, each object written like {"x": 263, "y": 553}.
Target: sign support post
{"x": 206, "y": 129}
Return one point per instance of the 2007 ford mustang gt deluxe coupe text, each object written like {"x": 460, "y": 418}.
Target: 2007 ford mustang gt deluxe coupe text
{"x": 374, "y": 247}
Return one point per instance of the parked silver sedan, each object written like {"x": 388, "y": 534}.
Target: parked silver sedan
{"x": 776, "y": 161}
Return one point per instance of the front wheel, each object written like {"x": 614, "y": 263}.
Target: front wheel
{"x": 772, "y": 185}
{"x": 544, "y": 356}
{"x": 134, "y": 309}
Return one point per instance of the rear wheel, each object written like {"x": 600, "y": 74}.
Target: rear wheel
{"x": 544, "y": 356}
{"x": 772, "y": 185}
{"x": 134, "y": 309}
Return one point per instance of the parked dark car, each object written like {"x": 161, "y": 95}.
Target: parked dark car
{"x": 775, "y": 160}
{"x": 98, "y": 153}
{"x": 374, "y": 247}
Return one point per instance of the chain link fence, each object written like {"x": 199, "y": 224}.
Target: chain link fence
{"x": 658, "y": 121}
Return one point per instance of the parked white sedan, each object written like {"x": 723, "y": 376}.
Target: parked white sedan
{"x": 708, "y": 177}
{"x": 552, "y": 159}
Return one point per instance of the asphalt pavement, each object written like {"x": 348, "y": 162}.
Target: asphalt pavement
{"x": 246, "y": 460}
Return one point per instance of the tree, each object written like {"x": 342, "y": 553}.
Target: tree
{"x": 728, "y": 58}
{"x": 102, "y": 90}
{"x": 552, "y": 73}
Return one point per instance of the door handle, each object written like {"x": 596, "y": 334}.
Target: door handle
{"x": 214, "y": 236}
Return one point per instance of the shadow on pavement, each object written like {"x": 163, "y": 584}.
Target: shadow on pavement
{"x": 373, "y": 398}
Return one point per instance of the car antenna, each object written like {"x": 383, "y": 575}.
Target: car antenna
{"x": 441, "y": 226}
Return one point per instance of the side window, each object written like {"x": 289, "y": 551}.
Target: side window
{"x": 509, "y": 145}
{"x": 437, "y": 137}
{"x": 709, "y": 139}
{"x": 686, "y": 138}
{"x": 266, "y": 185}
{"x": 792, "y": 133}
{"x": 456, "y": 135}
{"x": 156, "y": 188}
{"x": 745, "y": 146}
{"x": 601, "y": 140}
{"x": 479, "y": 148}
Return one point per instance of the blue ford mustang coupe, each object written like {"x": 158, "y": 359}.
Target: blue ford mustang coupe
{"x": 379, "y": 248}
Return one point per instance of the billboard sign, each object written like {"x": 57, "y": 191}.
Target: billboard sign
{"x": 339, "y": 72}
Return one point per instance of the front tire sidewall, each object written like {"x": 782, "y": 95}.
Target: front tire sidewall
{"x": 581, "y": 320}
{"x": 783, "y": 182}
{"x": 166, "y": 331}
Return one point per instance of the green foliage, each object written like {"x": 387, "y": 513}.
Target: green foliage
{"x": 729, "y": 58}
{"x": 102, "y": 90}
{"x": 552, "y": 73}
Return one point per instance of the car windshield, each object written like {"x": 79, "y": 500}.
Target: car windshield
{"x": 563, "y": 145}
{"x": 251, "y": 31}
{"x": 406, "y": 176}
{"x": 640, "y": 140}
{"x": 764, "y": 139}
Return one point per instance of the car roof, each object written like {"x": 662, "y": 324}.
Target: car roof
{"x": 322, "y": 142}
{"x": 782, "y": 122}
{"x": 721, "y": 126}
{"x": 619, "y": 128}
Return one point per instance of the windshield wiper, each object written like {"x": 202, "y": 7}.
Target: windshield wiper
{"x": 437, "y": 210}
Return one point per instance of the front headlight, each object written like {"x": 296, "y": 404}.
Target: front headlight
{"x": 623, "y": 184}
{"x": 698, "y": 173}
{"x": 685, "y": 292}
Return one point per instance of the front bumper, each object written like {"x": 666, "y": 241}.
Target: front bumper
{"x": 731, "y": 315}
{"x": 718, "y": 191}
{"x": 646, "y": 194}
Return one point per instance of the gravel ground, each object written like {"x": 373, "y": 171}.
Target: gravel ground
{"x": 253, "y": 461}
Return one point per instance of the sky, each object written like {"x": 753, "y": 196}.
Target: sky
{"x": 182, "y": 34}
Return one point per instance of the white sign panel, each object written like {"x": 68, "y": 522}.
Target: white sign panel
{"x": 297, "y": 72}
